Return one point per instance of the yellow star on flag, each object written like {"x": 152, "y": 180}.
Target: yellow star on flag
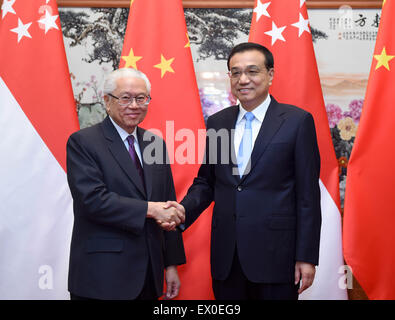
{"x": 383, "y": 59}
{"x": 188, "y": 45}
{"x": 164, "y": 65}
{"x": 131, "y": 60}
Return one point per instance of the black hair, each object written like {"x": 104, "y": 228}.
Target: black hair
{"x": 247, "y": 46}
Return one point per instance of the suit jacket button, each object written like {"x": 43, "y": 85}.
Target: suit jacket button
{"x": 239, "y": 188}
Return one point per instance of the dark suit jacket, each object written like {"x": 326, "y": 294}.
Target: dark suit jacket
{"x": 272, "y": 214}
{"x": 112, "y": 239}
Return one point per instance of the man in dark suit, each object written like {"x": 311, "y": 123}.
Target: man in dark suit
{"x": 267, "y": 218}
{"x": 118, "y": 249}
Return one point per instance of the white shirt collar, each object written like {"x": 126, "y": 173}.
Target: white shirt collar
{"x": 122, "y": 133}
{"x": 259, "y": 112}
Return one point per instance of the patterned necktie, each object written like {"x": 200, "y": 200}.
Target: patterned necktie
{"x": 245, "y": 147}
{"x": 135, "y": 158}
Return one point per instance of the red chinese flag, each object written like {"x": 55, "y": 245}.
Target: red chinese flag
{"x": 156, "y": 43}
{"x": 283, "y": 27}
{"x": 37, "y": 115}
{"x": 369, "y": 219}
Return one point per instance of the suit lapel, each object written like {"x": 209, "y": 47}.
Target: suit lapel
{"x": 270, "y": 125}
{"x": 229, "y": 124}
{"x": 121, "y": 155}
{"x": 147, "y": 168}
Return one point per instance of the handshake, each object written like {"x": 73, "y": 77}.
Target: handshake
{"x": 168, "y": 215}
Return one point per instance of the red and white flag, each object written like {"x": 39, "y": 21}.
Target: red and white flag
{"x": 283, "y": 27}
{"x": 156, "y": 43}
{"x": 37, "y": 114}
{"x": 369, "y": 207}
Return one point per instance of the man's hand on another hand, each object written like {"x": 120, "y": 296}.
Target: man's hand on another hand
{"x": 180, "y": 210}
{"x": 167, "y": 216}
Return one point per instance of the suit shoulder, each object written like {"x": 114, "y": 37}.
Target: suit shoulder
{"x": 294, "y": 112}
{"x": 91, "y": 132}
{"x": 224, "y": 114}
{"x": 293, "y": 109}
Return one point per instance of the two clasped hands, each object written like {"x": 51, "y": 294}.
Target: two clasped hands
{"x": 168, "y": 215}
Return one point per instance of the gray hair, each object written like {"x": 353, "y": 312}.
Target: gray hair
{"x": 111, "y": 79}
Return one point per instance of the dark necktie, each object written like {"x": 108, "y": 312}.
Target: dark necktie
{"x": 135, "y": 158}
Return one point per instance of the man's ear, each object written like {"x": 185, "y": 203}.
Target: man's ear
{"x": 271, "y": 75}
{"x": 106, "y": 99}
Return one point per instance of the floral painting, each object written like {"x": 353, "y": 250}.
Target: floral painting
{"x": 343, "y": 126}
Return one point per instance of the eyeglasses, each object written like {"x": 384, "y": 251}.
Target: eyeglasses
{"x": 249, "y": 72}
{"x": 141, "y": 100}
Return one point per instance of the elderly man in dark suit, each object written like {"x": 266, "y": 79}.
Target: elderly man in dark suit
{"x": 267, "y": 217}
{"x": 118, "y": 249}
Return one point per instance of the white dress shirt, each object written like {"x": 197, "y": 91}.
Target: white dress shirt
{"x": 259, "y": 114}
{"x": 124, "y": 135}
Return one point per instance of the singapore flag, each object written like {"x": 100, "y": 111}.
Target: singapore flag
{"x": 37, "y": 115}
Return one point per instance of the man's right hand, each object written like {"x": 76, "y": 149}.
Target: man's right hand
{"x": 174, "y": 204}
{"x": 168, "y": 217}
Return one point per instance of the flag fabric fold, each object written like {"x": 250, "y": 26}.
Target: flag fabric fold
{"x": 283, "y": 27}
{"x": 156, "y": 43}
{"x": 37, "y": 114}
{"x": 369, "y": 209}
